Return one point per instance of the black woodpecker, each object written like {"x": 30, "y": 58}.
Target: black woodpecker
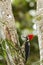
{"x": 27, "y": 46}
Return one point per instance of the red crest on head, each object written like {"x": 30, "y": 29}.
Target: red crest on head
{"x": 30, "y": 37}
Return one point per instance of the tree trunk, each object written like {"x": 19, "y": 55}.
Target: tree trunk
{"x": 7, "y": 19}
{"x": 39, "y": 22}
{"x": 8, "y": 31}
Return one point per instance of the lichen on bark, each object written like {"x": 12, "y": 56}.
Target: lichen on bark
{"x": 9, "y": 38}
{"x": 39, "y": 23}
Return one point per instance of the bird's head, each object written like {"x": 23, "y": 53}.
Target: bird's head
{"x": 30, "y": 37}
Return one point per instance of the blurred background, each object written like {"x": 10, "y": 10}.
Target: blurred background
{"x": 24, "y": 12}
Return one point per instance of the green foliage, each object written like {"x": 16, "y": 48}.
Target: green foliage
{"x": 18, "y": 3}
{"x": 24, "y": 23}
{"x": 10, "y": 54}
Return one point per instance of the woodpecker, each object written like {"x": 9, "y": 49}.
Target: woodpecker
{"x": 27, "y": 46}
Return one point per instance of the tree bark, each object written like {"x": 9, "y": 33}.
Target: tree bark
{"x": 39, "y": 23}
{"x": 8, "y": 30}
{"x": 7, "y": 18}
